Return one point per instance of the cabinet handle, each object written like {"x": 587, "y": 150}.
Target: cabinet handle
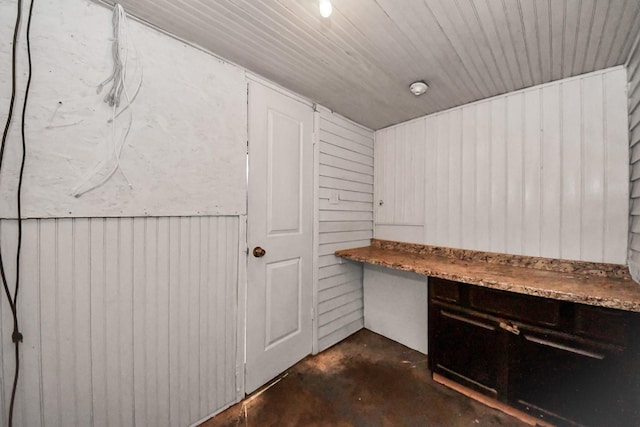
{"x": 511, "y": 328}
{"x": 559, "y": 346}
{"x": 466, "y": 320}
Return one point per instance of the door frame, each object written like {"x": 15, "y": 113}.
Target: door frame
{"x": 241, "y": 314}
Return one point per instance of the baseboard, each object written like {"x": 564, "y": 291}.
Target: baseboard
{"x": 492, "y": 403}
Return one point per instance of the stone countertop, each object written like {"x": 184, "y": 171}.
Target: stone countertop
{"x": 595, "y": 287}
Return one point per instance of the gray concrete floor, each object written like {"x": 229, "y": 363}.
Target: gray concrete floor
{"x": 366, "y": 380}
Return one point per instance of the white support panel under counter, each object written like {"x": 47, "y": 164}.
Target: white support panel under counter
{"x": 395, "y": 306}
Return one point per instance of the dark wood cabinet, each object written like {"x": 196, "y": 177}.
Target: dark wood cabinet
{"x": 457, "y": 333}
{"x": 565, "y": 363}
{"x": 568, "y": 380}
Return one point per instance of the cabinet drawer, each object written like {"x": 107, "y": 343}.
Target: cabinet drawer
{"x": 444, "y": 289}
{"x": 516, "y": 306}
{"x": 604, "y": 324}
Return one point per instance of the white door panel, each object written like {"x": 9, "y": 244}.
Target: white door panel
{"x": 283, "y": 294}
{"x": 279, "y": 290}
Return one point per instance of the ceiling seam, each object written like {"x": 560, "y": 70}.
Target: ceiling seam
{"x": 526, "y": 45}
{"x": 454, "y": 49}
{"x": 486, "y": 37}
{"x": 513, "y": 44}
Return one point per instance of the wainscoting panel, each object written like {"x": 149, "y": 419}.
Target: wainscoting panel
{"x": 126, "y": 321}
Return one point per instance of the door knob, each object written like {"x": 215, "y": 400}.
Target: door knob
{"x": 258, "y": 252}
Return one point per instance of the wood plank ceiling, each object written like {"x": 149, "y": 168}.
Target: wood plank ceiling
{"x": 361, "y": 60}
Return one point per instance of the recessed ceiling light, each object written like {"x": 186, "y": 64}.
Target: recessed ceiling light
{"x": 418, "y": 88}
{"x": 325, "y": 8}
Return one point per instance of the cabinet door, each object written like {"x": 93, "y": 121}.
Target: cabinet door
{"x": 467, "y": 349}
{"x": 562, "y": 379}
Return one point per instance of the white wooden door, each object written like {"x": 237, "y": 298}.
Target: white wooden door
{"x": 280, "y": 211}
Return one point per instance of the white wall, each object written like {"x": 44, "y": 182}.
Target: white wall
{"x": 126, "y": 321}
{"x": 537, "y": 172}
{"x": 131, "y": 320}
{"x": 633, "y": 74}
{"x": 394, "y": 306}
{"x": 185, "y": 154}
{"x": 345, "y": 221}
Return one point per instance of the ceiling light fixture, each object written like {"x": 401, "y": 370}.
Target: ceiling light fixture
{"x": 325, "y": 8}
{"x": 418, "y": 88}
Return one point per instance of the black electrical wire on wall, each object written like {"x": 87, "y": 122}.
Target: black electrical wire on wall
{"x": 16, "y": 335}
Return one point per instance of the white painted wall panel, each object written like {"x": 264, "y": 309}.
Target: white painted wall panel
{"x": 127, "y": 321}
{"x": 531, "y": 173}
{"x": 468, "y": 173}
{"x": 571, "y": 187}
{"x": 616, "y": 185}
{"x": 482, "y": 179}
{"x": 514, "y": 179}
{"x": 497, "y": 176}
{"x": 536, "y": 172}
{"x": 633, "y": 94}
{"x": 395, "y": 305}
{"x": 404, "y": 233}
{"x": 345, "y": 220}
{"x": 551, "y": 172}
{"x": 186, "y": 152}
{"x": 401, "y": 195}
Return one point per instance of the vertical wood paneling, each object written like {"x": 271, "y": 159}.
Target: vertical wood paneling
{"x": 30, "y": 386}
{"x": 346, "y": 216}
{"x": 536, "y": 172}
{"x": 616, "y": 190}
{"x": 498, "y": 175}
{"x": 551, "y": 171}
{"x": 633, "y": 105}
{"x": 400, "y": 190}
{"x": 431, "y": 176}
{"x": 385, "y": 182}
{"x": 593, "y": 173}
{"x": 82, "y": 312}
{"x": 531, "y": 171}
{"x": 98, "y": 321}
{"x": 127, "y": 321}
{"x": 419, "y": 171}
{"x": 454, "y": 177}
{"x": 401, "y": 170}
{"x": 442, "y": 178}
{"x": 412, "y": 150}
{"x": 514, "y": 179}
{"x": 50, "y": 312}
{"x": 231, "y": 234}
{"x": 175, "y": 377}
{"x": 571, "y": 184}
{"x": 468, "y": 229}
{"x": 482, "y": 178}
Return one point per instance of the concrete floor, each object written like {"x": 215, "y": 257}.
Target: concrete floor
{"x": 366, "y": 380}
